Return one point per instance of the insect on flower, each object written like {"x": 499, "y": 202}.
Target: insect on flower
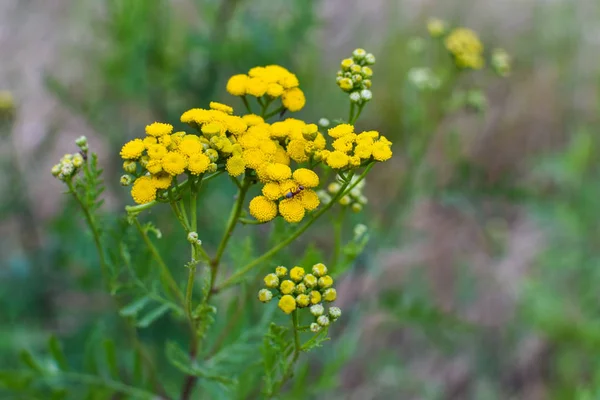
{"x": 294, "y": 192}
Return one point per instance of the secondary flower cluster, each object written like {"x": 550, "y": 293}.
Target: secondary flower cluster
{"x": 302, "y": 290}
{"x": 354, "y": 199}
{"x": 466, "y": 48}
{"x": 269, "y": 83}
{"x": 355, "y": 76}
{"x": 70, "y": 164}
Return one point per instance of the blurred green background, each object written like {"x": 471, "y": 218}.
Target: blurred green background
{"x": 480, "y": 280}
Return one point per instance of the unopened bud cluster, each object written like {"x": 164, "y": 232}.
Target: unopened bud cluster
{"x": 501, "y": 62}
{"x": 70, "y": 164}
{"x": 192, "y": 237}
{"x": 355, "y": 76}
{"x": 423, "y": 78}
{"x": 297, "y": 289}
{"x": 355, "y": 199}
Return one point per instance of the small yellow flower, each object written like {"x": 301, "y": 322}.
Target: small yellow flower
{"x": 235, "y": 166}
{"x": 325, "y": 282}
{"x": 381, "y": 151}
{"x": 143, "y": 190}
{"x": 315, "y": 297}
{"x": 254, "y": 158}
{"x": 329, "y": 294}
{"x": 149, "y": 140}
{"x": 345, "y": 143}
{"x": 290, "y": 81}
{"x": 287, "y": 287}
{"x": 287, "y": 304}
{"x": 237, "y": 85}
{"x": 297, "y": 273}
{"x": 338, "y": 160}
{"x": 274, "y": 90}
{"x": 198, "y": 163}
{"x": 281, "y": 271}
{"x": 300, "y": 288}
{"x": 340, "y": 130}
{"x": 157, "y": 151}
{"x": 159, "y": 129}
{"x": 221, "y": 107}
{"x": 363, "y": 151}
{"x": 162, "y": 180}
{"x": 281, "y": 156}
{"x": 132, "y": 150}
{"x": 302, "y": 300}
{"x": 291, "y": 210}
{"x": 271, "y": 191}
{"x": 309, "y": 199}
{"x": 253, "y": 119}
{"x": 190, "y": 145}
{"x": 293, "y": 99}
{"x": 256, "y": 87}
{"x": 319, "y": 270}
{"x": 211, "y": 129}
{"x": 346, "y": 64}
{"x": 306, "y": 177}
{"x": 174, "y": 163}
{"x": 310, "y": 280}
{"x": 436, "y": 27}
{"x": 263, "y": 209}
{"x": 296, "y": 149}
{"x": 271, "y": 281}
{"x": 278, "y": 172}
{"x": 346, "y": 84}
{"x": 265, "y": 295}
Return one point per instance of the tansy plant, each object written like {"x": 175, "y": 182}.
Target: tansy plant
{"x": 277, "y": 164}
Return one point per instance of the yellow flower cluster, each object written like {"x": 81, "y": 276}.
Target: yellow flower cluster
{"x": 436, "y": 27}
{"x": 466, "y": 48}
{"x": 298, "y": 289}
{"x": 269, "y": 82}
{"x": 351, "y": 150}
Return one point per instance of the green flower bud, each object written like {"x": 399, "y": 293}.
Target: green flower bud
{"x": 315, "y": 328}
{"x": 323, "y": 320}
{"x": 126, "y": 180}
{"x": 335, "y": 313}
{"x": 130, "y": 167}
{"x": 317, "y": 310}
{"x": 265, "y": 295}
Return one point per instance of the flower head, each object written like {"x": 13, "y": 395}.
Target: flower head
{"x": 143, "y": 190}
{"x": 159, "y": 129}
{"x": 132, "y": 150}
{"x": 287, "y": 304}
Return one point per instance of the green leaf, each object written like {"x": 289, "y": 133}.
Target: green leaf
{"x": 57, "y": 353}
{"x": 28, "y": 359}
{"x": 133, "y": 308}
{"x": 181, "y": 360}
{"x": 153, "y": 315}
{"x": 317, "y": 340}
{"x": 110, "y": 352}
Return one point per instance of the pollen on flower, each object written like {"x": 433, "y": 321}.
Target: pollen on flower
{"x": 306, "y": 177}
{"x": 143, "y": 190}
{"x": 198, "y": 163}
{"x": 263, "y": 209}
{"x": 133, "y": 149}
{"x": 159, "y": 129}
{"x": 287, "y": 304}
{"x": 174, "y": 163}
{"x": 297, "y": 273}
{"x": 221, "y": 107}
{"x": 235, "y": 166}
{"x": 293, "y": 99}
{"x": 291, "y": 210}
{"x": 237, "y": 85}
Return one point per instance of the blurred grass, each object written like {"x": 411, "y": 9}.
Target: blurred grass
{"x": 431, "y": 313}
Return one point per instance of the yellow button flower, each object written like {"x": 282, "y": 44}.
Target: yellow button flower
{"x": 310, "y": 280}
{"x": 381, "y": 151}
{"x": 302, "y": 300}
{"x": 319, "y": 270}
{"x": 306, "y": 177}
{"x": 329, "y": 295}
{"x": 271, "y": 281}
{"x": 143, "y": 190}
{"x": 309, "y": 199}
{"x": 340, "y": 130}
{"x": 162, "y": 180}
{"x": 159, "y": 129}
{"x": 278, "y": 172}
{"x": 325, "y": 282}
{"x": 265, "y": 295}
{"x": 315, "y": 297}
{"x": 271, "y": 191}
{"x": 337, "y": 160}
{"x": 256, "y": 87}
{"x": 157, "y": 151}
{"x": 281, "y": 271}
{"x": 236, "y": 85}
{"x": 291, "y": 210}
{"x": 274, "y": 90}
{"x": 174, "y": 163}
{"x": 221, "y": 107}
{"x": 293, "y": 99}
{"x": 132, "y": 150}
{"x": 297, "y": 273}
{"x": 287, "y": 287}
{"x": 198, "y": 163}
{"x": 287, "y": 304}
{"x": 253, "y": 119}
{"x": 263, "y": 209}
{"x": 296, "y": 149}
{"x": 235, "y": 166}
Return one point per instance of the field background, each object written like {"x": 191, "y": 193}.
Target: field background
{"x": 481, "y": 276}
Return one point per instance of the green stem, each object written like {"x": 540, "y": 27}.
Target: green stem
{"x": 164, "y": 269}
{"x": 233, "y": 219}
{"x": 347, "y": 187}
{"x": 355, "y": 118}
{"x": 247, "y": 104}
{"x": 337, "y": 229}
{"x": 246, "y": 221}
{"x": 289, "y": 369}
{"x": 351, "y": 116}
{"x": 95, "y": 233}
{"x": 274, "y": 112}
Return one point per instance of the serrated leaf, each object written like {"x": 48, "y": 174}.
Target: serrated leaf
{"x": 181, "y": 360}
{"x": 110, "y": 353}
{"x": 133, "y": 308}
{"x": 57, "y": 353}
{"x": 153, "y": 315}
{"x": 317, "y": 340}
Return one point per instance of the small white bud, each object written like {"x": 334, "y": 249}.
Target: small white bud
{"x": 324, "y": 122}
{"x": 355, "y": 97}
{"x": 355, "y": 192}
{"x": 212, "y": 167}
{"x": 359, "y": 54}
{"x": 56, "y": 170}
{"x": 362, "y": 199}
{"x": 192, "y": 237}
{"x": 125, "y": 180}
{"x": 359, "y": 230}
{"x": 323, "y": 320}
{"x": 314, "y": 327}
{"x": 81, "y": 141}
{"x": 317, "y": 310}
{"x": 335, "y": 313}
{"x": 323, "y": 196}
{"x": 370, "y": 58}
{"x": 366, "y": 94}
{"x": 265, "y": 295}
{"x": 67, "y": 169}
{"x": 77, "y": 160}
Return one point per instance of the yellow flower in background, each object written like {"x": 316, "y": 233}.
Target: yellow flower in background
{"x": 159, "y": 129}
{"x": 436, "y": 27}
{"x": 143, "y": 190}
{"x": 467, "y": 49}
{"x": 263, "y": 209}
{"x": 237, "y": 85}
{"x": 132, "y": 150}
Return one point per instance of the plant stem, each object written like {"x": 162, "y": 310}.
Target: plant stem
{"x": 289, "y": 369}
{"x": 247, "y": 104}
{"x": 347, "y": 187}
{"x": 164, "y": 269}
{"x": 274, "y": 112}
{"x": 355, "y": 118}
{"x": 95, "y": 233}
{"x": 337, "y": 231}
{"x": 351, "y": 116}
